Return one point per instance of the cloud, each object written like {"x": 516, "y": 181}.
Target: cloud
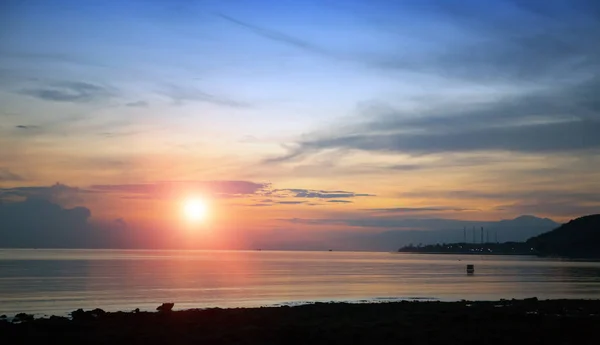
{"x": 548, "y": 51}
{"x": 317, "y": 194}
{"x": 507, "y": 40}
{"x": 249, "y": 139}
{"x": 69, "y": 91}
{"x": 278, "y": 36}
{"x": 138, "y": 104}
{"x": 57, "y": 193}
{"x": 7, "y": 175}
{"x": 303, "y": 193}
{"x": 557, "y": 208}
{"x": 26, "y": 127}
{"x": 119, "y": 134}
{"x": 169, "y": 189}
{"x": 260, "y": 205}
{"x": 162, "y": 190}
{"x": 43, "y": 57}
{"x": 566, "y": 196}
{"x": 565, "y": 119}
{"x": 180, "y": 94}
{"x": 290, "y": 202}
{"x": 420, "y": 209}
{"x": 445, "y": 161}
{"x": 40, "y": 223}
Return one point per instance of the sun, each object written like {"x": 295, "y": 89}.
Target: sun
{"x": 194, "y": 210}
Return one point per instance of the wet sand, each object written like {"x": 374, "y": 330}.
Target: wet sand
{"x": 501, "y": 322}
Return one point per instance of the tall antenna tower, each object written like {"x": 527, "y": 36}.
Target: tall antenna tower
{"x": 482, "y": 235}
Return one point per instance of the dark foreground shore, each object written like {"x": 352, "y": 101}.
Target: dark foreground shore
{"x": 503, "y": 322}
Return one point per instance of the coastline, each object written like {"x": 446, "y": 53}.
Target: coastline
{"x": 472, "y": 253}
{"x": 487, "y": 322}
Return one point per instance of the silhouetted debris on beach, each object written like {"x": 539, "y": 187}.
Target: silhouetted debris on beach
{"x": 22, "y": 317}
{"x": 500, "y": 322}
{"x": 165, "y": 307}
{"x": 80, "y": 314}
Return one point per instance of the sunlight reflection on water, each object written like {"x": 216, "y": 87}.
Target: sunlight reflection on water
{"x": 59, "y": 281}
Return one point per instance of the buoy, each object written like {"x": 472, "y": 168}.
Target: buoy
{"x": 470, "y": 269}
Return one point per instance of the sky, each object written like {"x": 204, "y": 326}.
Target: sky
{"x": 296, "y": 121}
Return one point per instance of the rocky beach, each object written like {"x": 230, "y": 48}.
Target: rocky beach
{"x": 528, "y": 321}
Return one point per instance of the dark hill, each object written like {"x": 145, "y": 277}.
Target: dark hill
{"x": 579, "y": 238}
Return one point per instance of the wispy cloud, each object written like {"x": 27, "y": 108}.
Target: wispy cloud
{"x": 316, "y": 194}
{"x": 169, "y": 189}
{"x": 558, "y": 208}
{"x": 138, "y": 104}
{"x": 278, "y": 36}
{"x": 559, "y": 120}
{"x": 507, "y": 43}
{"x": 569, "y": 196}
{"x": 7, "y": 175}
{"x": 57, "y": 193}
{"x": 69, "y": 91}
{"x": 27, "y": 127}
{"x": 419, "y": 209}
{"x": 180, "y": 94}
{"x": 509, "y": 40}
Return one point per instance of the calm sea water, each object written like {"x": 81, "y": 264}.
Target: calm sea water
{"x": 59, "y": 281}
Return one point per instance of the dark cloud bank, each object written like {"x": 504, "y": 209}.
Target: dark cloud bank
{"x": 39, "y": 223}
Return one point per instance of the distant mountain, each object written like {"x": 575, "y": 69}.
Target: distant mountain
{"x": 522, "y": 228}
{"x": 579, "y": 238}
{"x": 433, "y": 231}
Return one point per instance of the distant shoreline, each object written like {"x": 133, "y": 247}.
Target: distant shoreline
{"x": 492, "y": 322}
{"x": 470, "y": 253}
{"x": 570, "y": 258}
{"x": 465, "y": 248}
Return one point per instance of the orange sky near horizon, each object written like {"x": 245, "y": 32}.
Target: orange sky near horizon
{"x": 314, "y": 119}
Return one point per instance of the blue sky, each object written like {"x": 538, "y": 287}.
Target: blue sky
{"x": 464, "y": 109}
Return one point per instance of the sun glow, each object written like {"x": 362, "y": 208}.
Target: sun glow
{"x": 195, "y": 210}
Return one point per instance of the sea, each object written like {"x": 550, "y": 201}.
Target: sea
{"x": 56, "y": 282}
